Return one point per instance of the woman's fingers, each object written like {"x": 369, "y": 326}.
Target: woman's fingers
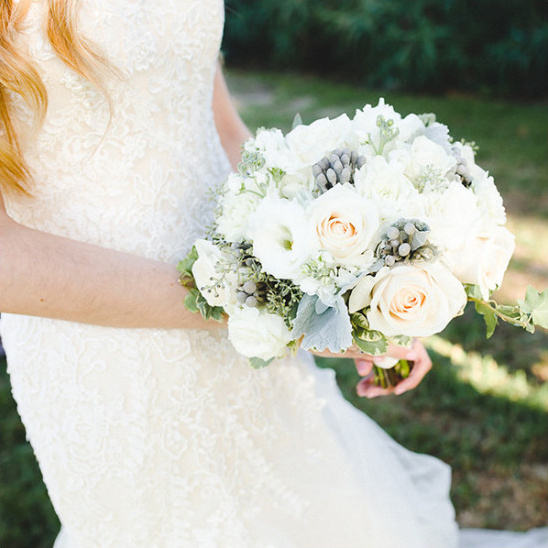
{"x": 364, "y": 366}
{"x": 421, "y": 365}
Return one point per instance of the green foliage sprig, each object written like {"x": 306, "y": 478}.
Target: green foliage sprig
{"x": 195, "y": 301}
{"x": 528, "y": 313}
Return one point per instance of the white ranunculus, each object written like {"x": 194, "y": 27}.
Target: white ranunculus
{"x": 385, "y": 184}
{"x": 312, "y": 142}
{"x": 409, "y": 127}
{"x": 273, "y": 147}
{"x": 411, "y": 300}
{"x": 255, "y": 333}
{"x": 297, "y": 185}
{"x": 233, "y": 222}
{"x": 282, "y": 237}
{"x": 344, "y": 223}
{"x": 206, "y": 274}
{"x": 427, "y": 155}
{"x": 483, "y": 259}
{"x": 489, "y": 200}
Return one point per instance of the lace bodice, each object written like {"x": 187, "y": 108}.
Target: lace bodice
{"x": 132, "y": 176}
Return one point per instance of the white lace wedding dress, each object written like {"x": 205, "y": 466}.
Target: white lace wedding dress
{"x": 152, "y": 438}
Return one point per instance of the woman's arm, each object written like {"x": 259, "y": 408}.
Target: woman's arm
{"x": 50, "y": 276}
{"x": 232, "y": 131}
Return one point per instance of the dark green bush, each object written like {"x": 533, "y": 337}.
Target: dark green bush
{"x": 498, "y": 47}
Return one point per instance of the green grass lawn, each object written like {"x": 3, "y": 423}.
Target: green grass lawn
{"x": 483, "y": 408}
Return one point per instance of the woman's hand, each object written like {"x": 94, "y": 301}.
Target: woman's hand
{"x": 416, "y": 354}
{"x": 364, "y": 365}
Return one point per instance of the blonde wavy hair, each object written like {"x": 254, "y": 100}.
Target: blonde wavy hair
{"x": 19, "y": 75}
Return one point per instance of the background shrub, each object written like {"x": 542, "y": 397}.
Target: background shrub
{"x": 494, "y": 47}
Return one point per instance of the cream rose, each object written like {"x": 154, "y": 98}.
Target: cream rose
{"x": 483, "y": 259}
{"x": 416, "y": 301}
{"x": 344, "y": 222}
{"x": 255, "y": 333}
{"x": 206, "y": 275}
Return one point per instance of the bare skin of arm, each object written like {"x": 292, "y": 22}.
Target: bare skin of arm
{"x": 50, "y": 276}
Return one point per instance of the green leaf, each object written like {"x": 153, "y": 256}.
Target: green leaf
{"x": 196, "y": 302}
{"x": 190, "y": 301}
{"x": 185, "y": 266}
{"x": 359, "y": 320}
{"x": 401, "y": 340}
{"x": 489, "y": 316}
{"x": 375, "y": 348}
{"x": 473, "y": 291}
{"x": 536, "y": 304}
{"x": 259, "y": 363}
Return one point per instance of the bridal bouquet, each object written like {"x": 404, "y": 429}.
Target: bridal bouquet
{"x": 358, "y": 231}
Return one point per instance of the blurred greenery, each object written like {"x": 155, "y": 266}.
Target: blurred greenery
{"x": 492, "y": 47}
{"x": 483, "y": 408}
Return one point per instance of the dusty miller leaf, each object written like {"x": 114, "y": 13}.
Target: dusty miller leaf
{"x": 331, "y": 329}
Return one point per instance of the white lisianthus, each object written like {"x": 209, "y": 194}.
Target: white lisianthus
{"x": 427, "y": 156}
{"x": 217, "y": 289}
{"x": 411, "y": 300}
{"x": 282, "y": 237}
{"x": 386, "y": 185}
{"x": 255, "y": 333}
{"x": 344, "y": 223}
{"x": 483, "y": 259}
{"x": 311, "y": 143}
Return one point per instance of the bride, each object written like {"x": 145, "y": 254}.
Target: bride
{"x": 149, "y": 429}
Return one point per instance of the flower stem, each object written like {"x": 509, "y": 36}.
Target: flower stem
{"x": 388, "y": 378}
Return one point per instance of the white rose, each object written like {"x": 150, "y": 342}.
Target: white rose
{"x": 425, "y": 155}
{"x": 311, "y": 143}
{"x": 411, "y": 300}
{"x": 206, "y": 275}
{"x": 344, "y": 223}
{"x": 255, "y": 333}
{"x": 385, "y": 184}
{"x": 483, "y": 259}
{"x": 449, "y": 214}
{"x": 282, "y": 237}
